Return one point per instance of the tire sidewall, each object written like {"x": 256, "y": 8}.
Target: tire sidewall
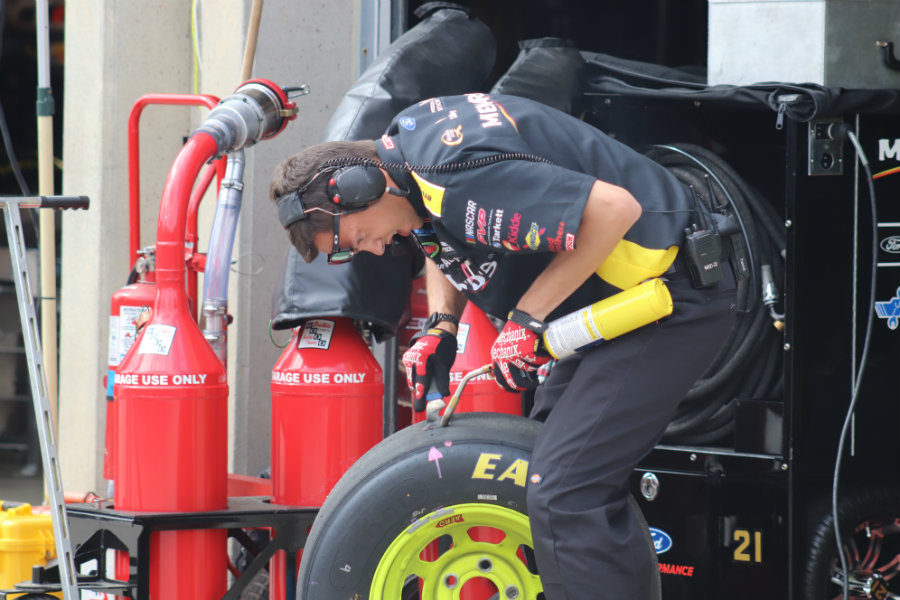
{"x": 853, "y": 509}
{"x": 480, "y": 458}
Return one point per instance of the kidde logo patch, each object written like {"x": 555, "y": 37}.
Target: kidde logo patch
{"x": 449, "y": 521}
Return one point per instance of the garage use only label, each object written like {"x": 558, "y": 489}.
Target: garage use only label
{"x": 161, "y": 379}
{"x": 297, "y": 378}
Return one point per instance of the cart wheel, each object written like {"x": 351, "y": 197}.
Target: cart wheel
{"x": 870, "y": 531}
{"x": 437, "y": 514}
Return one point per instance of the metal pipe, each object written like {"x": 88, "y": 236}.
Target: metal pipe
{"x": 218, "y": 257}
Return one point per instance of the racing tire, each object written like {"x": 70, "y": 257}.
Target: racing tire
{"x": 432, "y": 512}
{"x": 870, "y": 532}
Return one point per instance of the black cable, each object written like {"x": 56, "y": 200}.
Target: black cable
{"x": 863, "y": 360}
{"x": 448, "y": 167}
{"x": 747, "y": 365}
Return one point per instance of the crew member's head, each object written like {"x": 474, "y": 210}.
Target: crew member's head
{"x": 367, "y": 214}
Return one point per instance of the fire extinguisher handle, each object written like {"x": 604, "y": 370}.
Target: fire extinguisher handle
{"x": 63, "y": 202}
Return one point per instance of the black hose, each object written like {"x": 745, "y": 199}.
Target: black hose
{"x": 749, "y": 363}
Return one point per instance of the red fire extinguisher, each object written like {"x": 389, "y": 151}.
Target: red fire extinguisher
{"x": 129, "y": 305}
{"x": 327, "y": 391}
{"x": 474, "y": 338}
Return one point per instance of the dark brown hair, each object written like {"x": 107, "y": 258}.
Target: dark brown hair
{"x": 296, "y": 171}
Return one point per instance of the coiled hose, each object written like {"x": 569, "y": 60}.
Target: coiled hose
{"x": 749, "y": 364}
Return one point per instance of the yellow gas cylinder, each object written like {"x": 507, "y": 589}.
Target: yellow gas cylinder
{"x": 26, "y": 540}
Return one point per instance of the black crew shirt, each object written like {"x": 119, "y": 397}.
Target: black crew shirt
{"x": 499, "y": 224}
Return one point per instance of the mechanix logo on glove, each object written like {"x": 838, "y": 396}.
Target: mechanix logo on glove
{"x": 515, "y": 358}
{"x": 429, "y": 359}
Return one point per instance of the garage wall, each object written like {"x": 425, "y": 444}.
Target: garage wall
{"x": 116, "y": 52}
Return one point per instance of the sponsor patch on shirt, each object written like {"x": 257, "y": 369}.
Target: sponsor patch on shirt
{"x": 489, "y": 112}
{"x": 469, "y": 221}
{"x": 452, "y": 137}
{"x": 432, "y": 194}
{"x": 387, "y": 142}
{"x": 555, "y": 244}
{"x": 533, "y": 237}
{"x": 407, "y": 123}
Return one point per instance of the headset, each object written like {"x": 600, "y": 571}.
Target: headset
{"x": 351, "y": 189}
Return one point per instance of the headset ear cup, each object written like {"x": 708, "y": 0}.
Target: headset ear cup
{"x": 356, "y": 187}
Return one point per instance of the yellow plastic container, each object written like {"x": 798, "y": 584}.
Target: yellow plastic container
{"x": 26, "y": 540}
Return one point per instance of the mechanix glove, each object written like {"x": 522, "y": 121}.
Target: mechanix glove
{"x": 516, "y": 356}
{"x": 429, "y": 359}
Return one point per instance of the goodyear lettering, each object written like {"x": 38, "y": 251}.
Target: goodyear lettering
{"x": 488, "y": 463}
{"x": 485, "y": 464}
{"x": 518, "y": 472}
{"x": 683, "y": 570}
{"x": 449, "y": 521}
{"x": 488, "y": 112}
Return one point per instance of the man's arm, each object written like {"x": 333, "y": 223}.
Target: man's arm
{"x": 442, "y": 296}
{"x": 609, "y": 213}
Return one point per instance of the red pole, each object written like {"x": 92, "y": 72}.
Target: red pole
{"x": 172, "y": 397}
{"x": 134, "y": 149}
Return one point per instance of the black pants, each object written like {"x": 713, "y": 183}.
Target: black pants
{"x": 604, "y": 410}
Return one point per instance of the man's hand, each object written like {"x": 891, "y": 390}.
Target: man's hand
{"x": 515, "y": 359}
{"x": 429, "y": 359}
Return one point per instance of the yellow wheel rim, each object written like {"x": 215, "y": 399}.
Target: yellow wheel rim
{"x": 448, "y": 548}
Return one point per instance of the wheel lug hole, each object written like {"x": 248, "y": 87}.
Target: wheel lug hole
{"x": 451, "y": 580}
{"x": 485, "y": 565}
{"x": 511, "y": 592}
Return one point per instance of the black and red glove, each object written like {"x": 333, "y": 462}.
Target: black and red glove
{"x": 516, "y": 355}
{"x": 429, "y": 360}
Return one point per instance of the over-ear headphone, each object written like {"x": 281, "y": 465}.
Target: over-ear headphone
{"x": 350, "y": 188}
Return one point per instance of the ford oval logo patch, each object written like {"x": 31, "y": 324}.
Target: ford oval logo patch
{"x": 662, "y": 541}
{"x": 891, "y": 244}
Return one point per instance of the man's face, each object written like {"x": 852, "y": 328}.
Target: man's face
{"x": 372, "y": 229}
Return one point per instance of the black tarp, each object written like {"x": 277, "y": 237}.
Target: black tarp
{"x": 448, "y": 52}
{"x": 605, "y": 74}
